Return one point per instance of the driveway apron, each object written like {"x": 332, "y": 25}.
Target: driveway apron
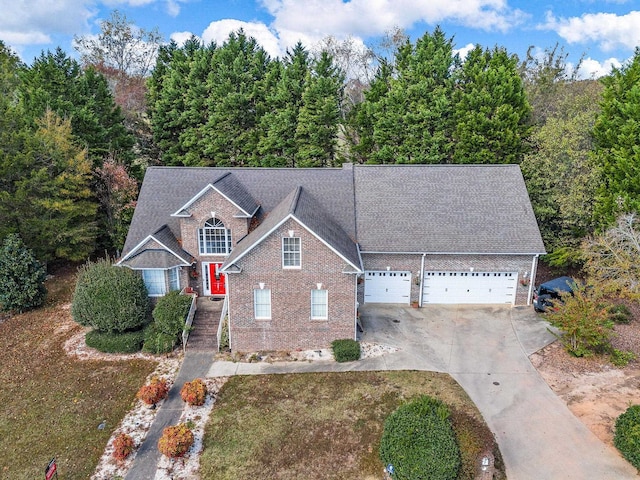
{"x": 486, "y": 350}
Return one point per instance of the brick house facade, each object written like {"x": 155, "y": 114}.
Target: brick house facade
{"x": 295, "y": 251}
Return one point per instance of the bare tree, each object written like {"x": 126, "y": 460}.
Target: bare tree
{"x": 613, "y": 257}
{"x": 121, "y": 46}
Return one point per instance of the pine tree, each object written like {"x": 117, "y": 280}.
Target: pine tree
{"x": 286, "y": 83}
{"x": 617, "y": 136}
{"x": 491, "y": 110}
{"x": 319, "y": 118}
{"x": 236, "y": 102}
{"x": 54, "y": 206}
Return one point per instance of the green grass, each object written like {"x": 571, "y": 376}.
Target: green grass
{"x": 325, "y": 426}
{"x": 50, "y": 403}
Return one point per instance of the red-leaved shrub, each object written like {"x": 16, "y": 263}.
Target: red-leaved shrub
{"x": 122, "y": 446}
{"x": 194, "y": 392}
{"x": 156, "y": 390}
{"x": 175, "y": 441}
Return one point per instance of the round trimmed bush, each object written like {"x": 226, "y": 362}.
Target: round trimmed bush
{"x": 627, "y": 435}
{"x": 122, "y": 446}
{"x": 194, "y": 392}
{"x": 127, "y": 342}
{"x": 419, "y": 441}
{"x": 176, "y": 441}
{"x": 346, "y": 350}
{"x": 154, "y": 391}
{"x": 110, "y": 298}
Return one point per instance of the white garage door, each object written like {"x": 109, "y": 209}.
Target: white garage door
{"x": 470, "y": 287}
{"x": 387, "y": 287}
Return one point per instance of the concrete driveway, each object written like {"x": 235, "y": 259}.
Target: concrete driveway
{"x": 486, "y": 350}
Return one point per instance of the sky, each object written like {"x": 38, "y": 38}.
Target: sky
{"x": 602, "y": 33}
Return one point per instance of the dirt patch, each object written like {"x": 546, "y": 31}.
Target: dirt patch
{"x": 593, "y": 389}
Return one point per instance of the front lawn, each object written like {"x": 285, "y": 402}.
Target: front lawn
{"x": 50, "y": 403}
{"x": 326, "y": 425}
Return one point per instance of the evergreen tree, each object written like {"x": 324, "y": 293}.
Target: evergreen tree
{"x": 56, "y": 82}
{"x": 491, "y": 112}
{"x": 286, "y": 82}
{"x": 53, "y": 202}
{"x": 21, "y": 276}
{"x": 236, "y": 102}
{"x": 318, "y": 122}
{"x": 617, "y": 136}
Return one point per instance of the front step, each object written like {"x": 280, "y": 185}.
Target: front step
{"x": 204, "y": 330}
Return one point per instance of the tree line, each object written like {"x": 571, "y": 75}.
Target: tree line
{"x": 75, "y": 137}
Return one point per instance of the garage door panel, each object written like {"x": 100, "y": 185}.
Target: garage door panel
{"x": 469, "y": 287}
{"x": 387, "y": 287}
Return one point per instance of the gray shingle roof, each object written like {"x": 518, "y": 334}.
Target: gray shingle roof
{"x": 152, "y": 259}
{"x": 393, "y": 208}
{"x": 444, "y": 209}
{"x": 166, "y": 189}
{"x": 171, "y": 256}
{"x": 302, "y": 206}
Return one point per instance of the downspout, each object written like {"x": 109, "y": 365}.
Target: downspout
{"x": 421, "y": 280}
{"x": 532, "y": 277}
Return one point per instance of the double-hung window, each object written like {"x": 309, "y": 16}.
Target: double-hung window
{"x": 319, "y": 305}
{"x": 214, "y": 238}
{"x": 155, "y": 282}
{"x": 291, "y": 252}
{"x": 262, "y": 303}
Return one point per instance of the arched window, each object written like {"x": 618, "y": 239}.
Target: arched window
{"x": 214, "y": 238}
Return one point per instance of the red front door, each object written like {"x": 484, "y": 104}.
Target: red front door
{"x": 216, "y": 279}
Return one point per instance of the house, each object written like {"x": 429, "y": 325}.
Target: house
{"x": 295, "y": 251}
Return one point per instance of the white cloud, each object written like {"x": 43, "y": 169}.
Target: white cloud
{"x": 464, "y": 51}
{"x": 590, "y": 68}
{"x": 181, "y": 37}
{"x": 608, "y": 30}
{"x": 27, "y": 23}
{"x": 317, "y": 18}
{"x": 219, "y": 31}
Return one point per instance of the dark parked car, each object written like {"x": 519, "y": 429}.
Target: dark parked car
{"x": 549, "y": 292}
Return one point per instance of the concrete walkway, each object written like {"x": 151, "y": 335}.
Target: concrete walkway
{"x": 486, "y": 350}
{"x": 196, "y": 364}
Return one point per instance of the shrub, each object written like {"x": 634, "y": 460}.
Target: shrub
{"x": 175, "y": 441}
{"x": 127, "y": 342}
{"x": 21, "y": 276}
{"x": 171, "y": 312}
{"x": 419, "y": 441}
{"x": 154, "y": 391}
{"x": 627, "y": 435}
{"x": 621, "y": 358}
{"x": 157, "y": 342}
{"x": 122, "y": 446}
{"x": 110, "y": 298}
{"x": 619, "y": 313}
{"x": 194, "y": 392}
{"x": 584, "y": 319}
{"x": 345, "y": 350}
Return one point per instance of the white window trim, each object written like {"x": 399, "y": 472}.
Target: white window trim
{"x": 173, "y": 271}
{"x": 292, "y": 267}
{"x": 326, "y": 304}
{"x": 164, "y": 284}
{"x": 227, "y": 237}
{"x": 255, "y": 313}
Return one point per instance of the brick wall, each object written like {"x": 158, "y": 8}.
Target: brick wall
{"x": 200, "y": 211}
{"x": 480, "y": 263}
{"x": 290, "y": 326}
